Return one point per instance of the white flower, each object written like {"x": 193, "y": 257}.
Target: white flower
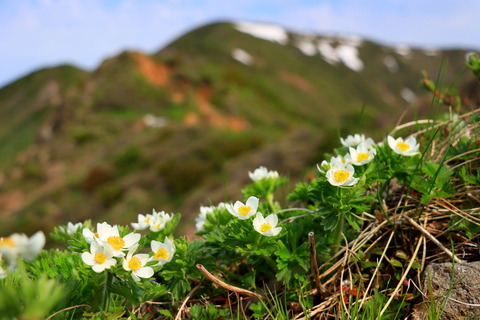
{"x": 325, "y": 166}
{"x": 143, "y": 222}
{"x": 222, "y": 205}
{"x": 244, "y": 211}
{"x": 99, "y": 257}
{"x": 408, "y": 147}
{"x": 71, "y": 228}
{"x": 341, "y": 175}
{"x": 155, "y": 221}
{"x": 10, "y": 247}
{"x": 266, "y": 226}
{"x": 262, "y": 173}
{"x": 110, "y": 235}
{"x": 18, "y": 244}
{"x": 362, "y": 154}
{"x": 159, "y": 220}
{"x": 202, "y": 217}
{"x": 355, "y": 140}
{"x": 136, "y": 264}
{"x": 162, "y": 251}
{"x": 89, "y": 235}
{"x": 33, "y": 246}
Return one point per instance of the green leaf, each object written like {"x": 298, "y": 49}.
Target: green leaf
{"x": 167, "y": 313}
{"x": 401, "y": 255}
{"x": 353, "y": 221}
{"x": 396, "y": 263}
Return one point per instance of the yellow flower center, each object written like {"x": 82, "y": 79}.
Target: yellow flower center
{"x": 135, "y": 264}
{"x": 362, "y": 156}
{"x": 244, "y": 210}
{"x": 402, "y": 146}
{"x": 265, "y": 227}
{"x": 146, "y": 220}
{"x": 341, "y": 175}
{"x": 161, "y": 253}
{"x": 116, "y": 242}
{"x": 100, "y": 257}
{"x": 7, "y": 242}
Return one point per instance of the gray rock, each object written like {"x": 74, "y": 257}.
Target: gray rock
{"x": 457, "y": 298}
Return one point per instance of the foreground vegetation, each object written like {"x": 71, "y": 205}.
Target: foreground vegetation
{"x": 350, "y": 243}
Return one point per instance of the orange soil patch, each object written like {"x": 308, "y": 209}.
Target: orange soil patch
{"x": 297, "y": 81}
{"x": 213, "y": 117}
{"x": 155, "y": 73}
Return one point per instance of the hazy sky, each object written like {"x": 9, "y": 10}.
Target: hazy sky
{"x": 39, "y": 33}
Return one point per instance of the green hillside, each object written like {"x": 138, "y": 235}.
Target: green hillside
{"x": 169, "y": 130}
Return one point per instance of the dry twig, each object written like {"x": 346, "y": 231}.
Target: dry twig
{"x": 226, "y": 285}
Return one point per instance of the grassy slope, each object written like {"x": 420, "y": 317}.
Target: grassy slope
{"x": 293, "y": 105}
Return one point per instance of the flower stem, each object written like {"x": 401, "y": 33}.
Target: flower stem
{"x": 270, "y": 201}
{"x": 337, "y": 236}
{"x": 106, "y": 283}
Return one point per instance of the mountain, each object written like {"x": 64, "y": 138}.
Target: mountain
{"x": 182, "y": 127}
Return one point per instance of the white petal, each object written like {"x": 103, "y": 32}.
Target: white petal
{"x": 272, "y": 220}
{"x": 87, "y": 257}
{"x": 155, "y": 245}
{"x": 145, "y": 272}
{"x": 98, "y": 268}
{"x": 237, "y": 205}
{"x": 258, "y": 221}
{"x": 125, "y": 264}
{"x": 253, "y": 203}
{"x": 142, "y": 257}
{"x": 105, "y": 231}
{"x": 275, "y": 231}
{"x": 131, "y": 239}
{"x": 232, "y": 210}
{"x": 391, "y": 142}
{"x": 135, "y": 277}
{"x": 411, "y": 141}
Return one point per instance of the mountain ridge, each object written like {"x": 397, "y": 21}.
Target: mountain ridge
{"x": 182, "y": 127}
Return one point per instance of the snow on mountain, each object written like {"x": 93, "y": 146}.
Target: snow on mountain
{"x": 349, "y": 56}
{"x": 264, "y": 31}
{"x": 242, "y": 56}
{"x": 403, "y": 50}
{"x": 328, "y": 52}
{"x": 306, "y": 46}
{"x": 391, "y": 63}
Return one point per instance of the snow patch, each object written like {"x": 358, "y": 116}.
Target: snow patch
{"x": 352, "y": 40}
{"x": 346, "y": 53}
{"x": 242, "y": 56}
{"x": 306, "y": 46}
{"x": 431, "y": 52}
{"x": 349, "y": 56}
{"x": 154, "y": 122}
{"x": 391, "y": 64}
{"x": 408, "y": 95}
{"x": 263, "y": 31}
{"x": 403, "y": 50}
{"x": 328, "y": 52}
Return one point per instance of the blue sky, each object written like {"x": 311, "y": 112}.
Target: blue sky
{"x": 40, "y": 33}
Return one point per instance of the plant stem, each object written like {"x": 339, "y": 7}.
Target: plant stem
{"x": 106, "y": 282}
{"x": 270, "y": 202}
{"x": 338, "y": 234}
